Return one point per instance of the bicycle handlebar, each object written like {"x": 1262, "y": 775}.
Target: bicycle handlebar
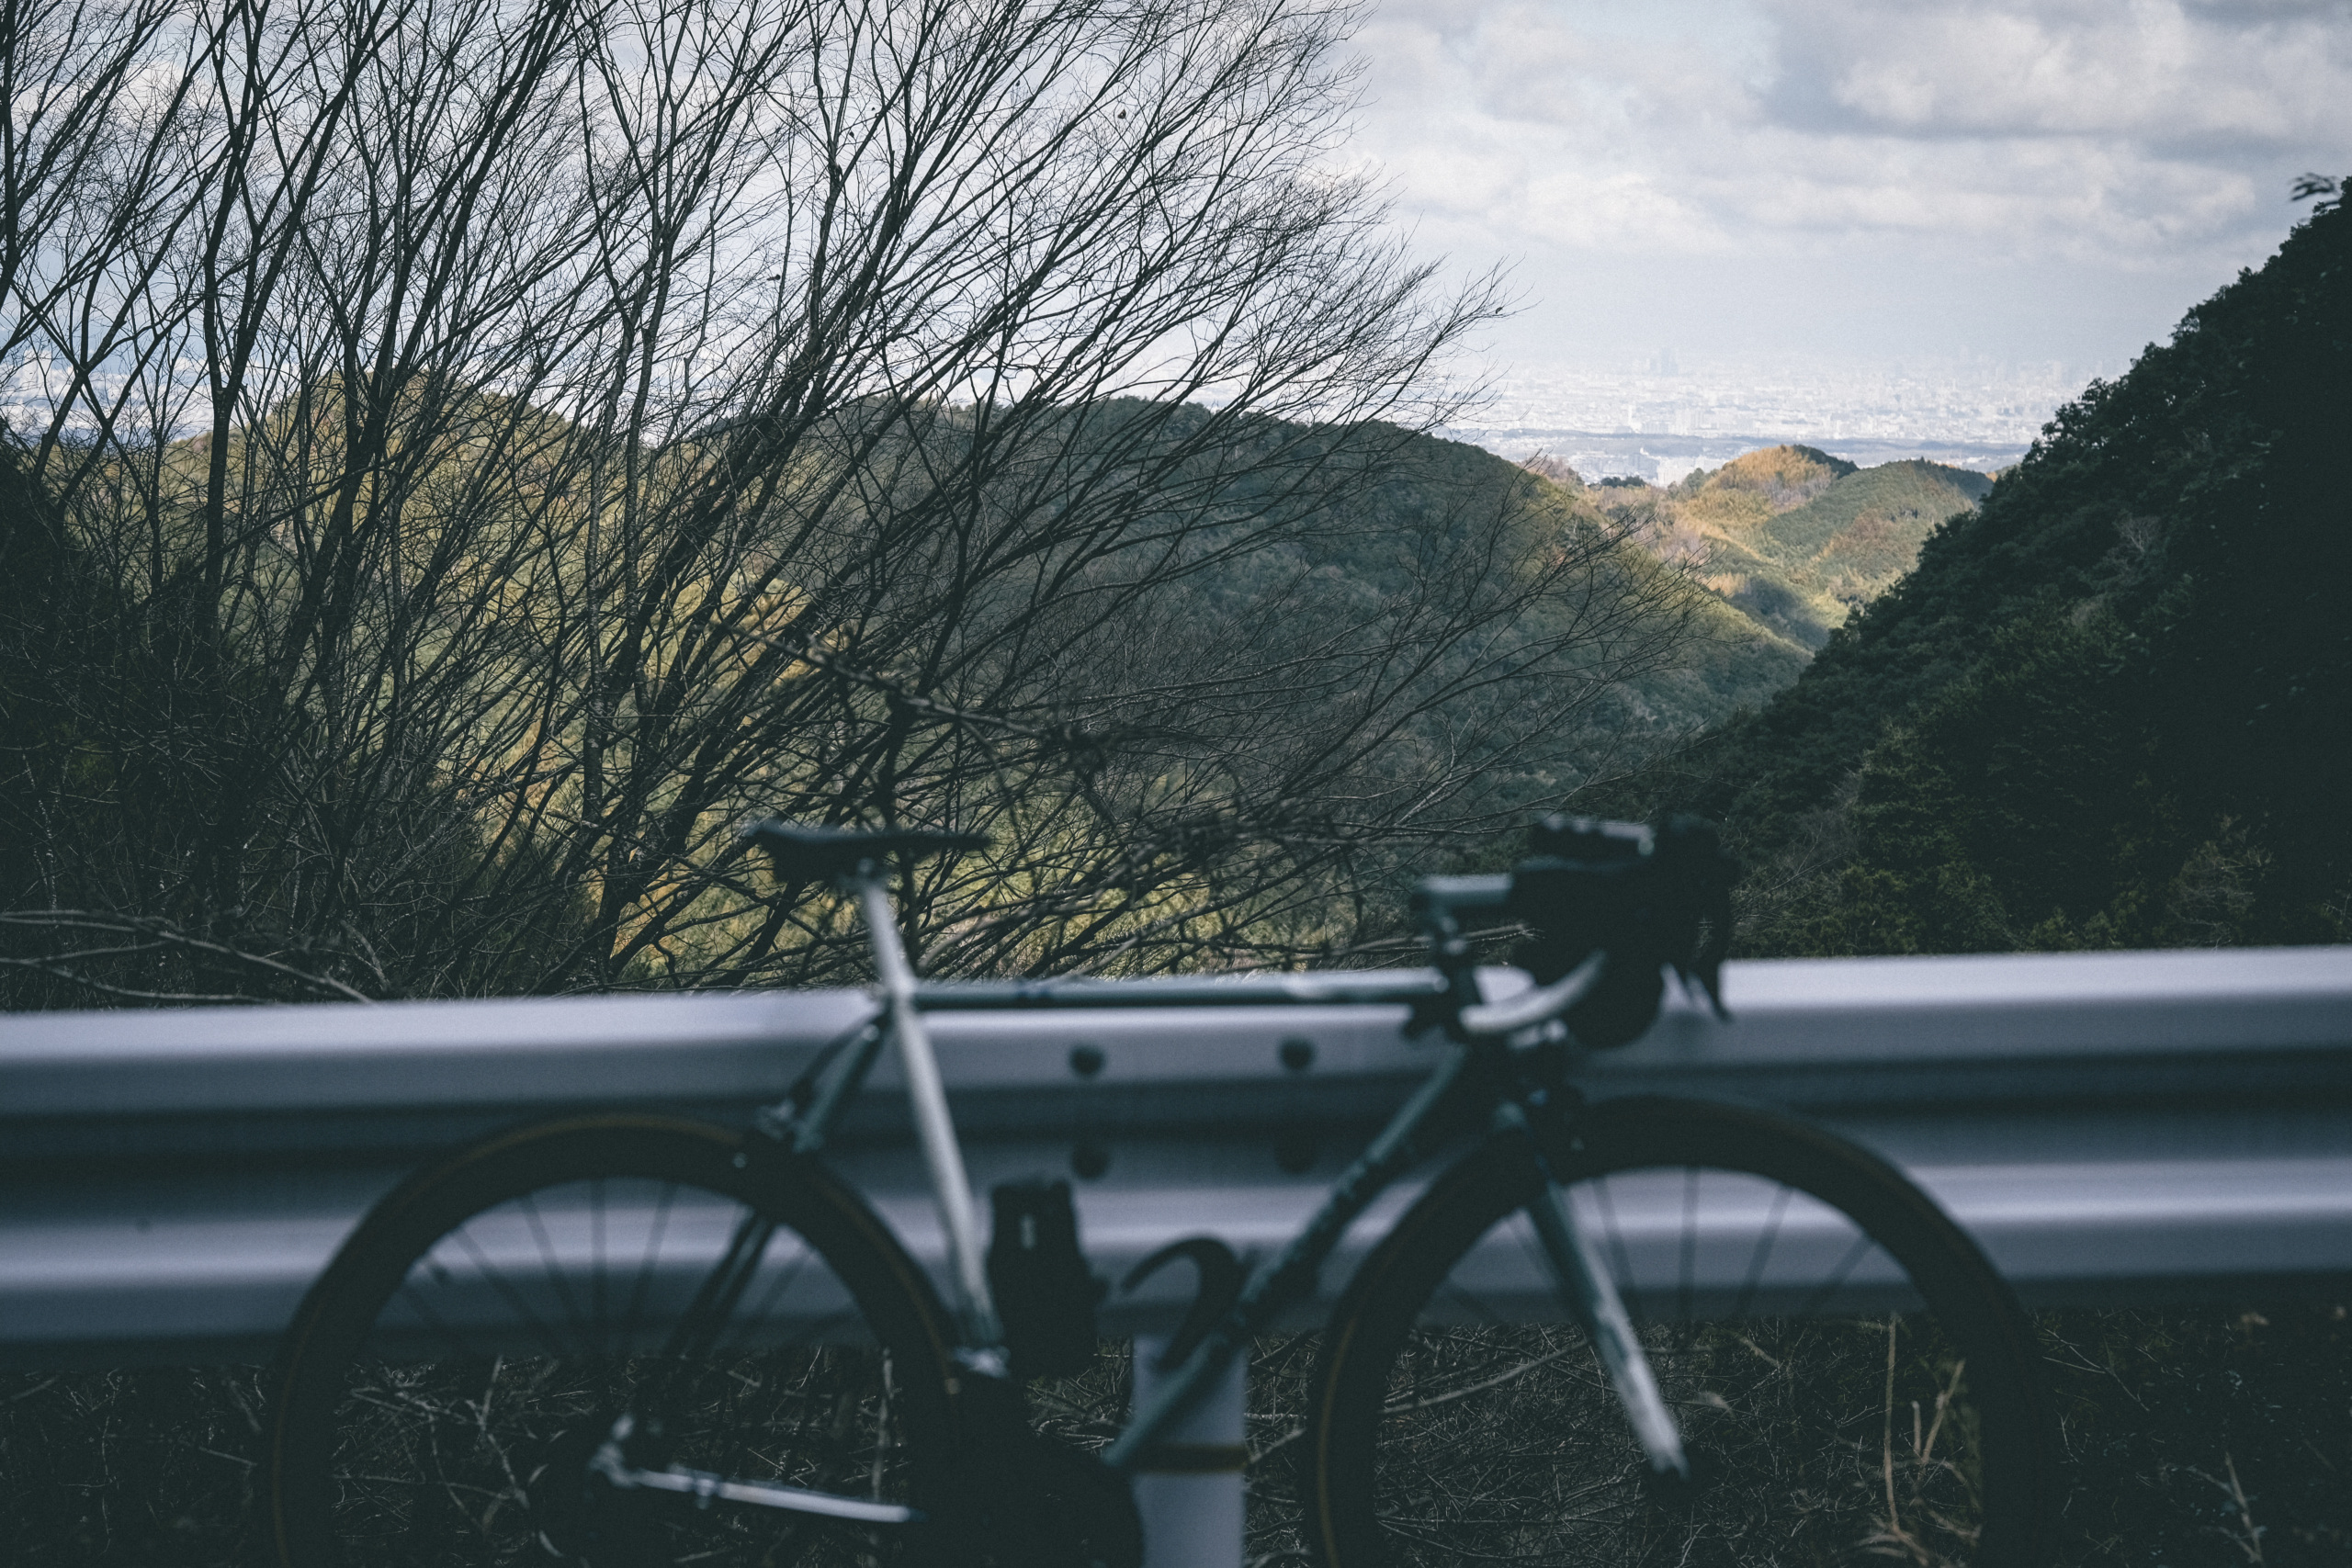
{"x": 1613, "y": 902}
{"x": 1538, "y": 1006}
{"x": 1434, "y": 896}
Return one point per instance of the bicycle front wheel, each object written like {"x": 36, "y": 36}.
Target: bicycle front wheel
{"x": 1850, "y": 1376}
{"x": 450, "y": 1378}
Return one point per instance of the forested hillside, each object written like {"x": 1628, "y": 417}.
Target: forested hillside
{"x": 1335, "y": 653}
{"x": 1793, "y": 538}
{"x": 1732, "y": 660}
{"x": 2109, "y": 706}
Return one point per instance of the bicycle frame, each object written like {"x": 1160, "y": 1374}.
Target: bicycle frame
{"x": 1476, "y": 1066}
{"x": 1475, "y": 1069}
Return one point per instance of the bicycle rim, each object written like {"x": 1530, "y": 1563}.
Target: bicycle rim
{"x": 449, "y": 1378}
{"x": 1850, "y": 1379}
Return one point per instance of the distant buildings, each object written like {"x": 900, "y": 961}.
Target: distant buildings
{"x": 1972, "y": 414}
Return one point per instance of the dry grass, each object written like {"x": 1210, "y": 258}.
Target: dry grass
{"x": 2193, "y": 1435}
{"x": 151, "y": 1467}
{"x": 2210, "y": 1436}
{"x": 454, "y": 1462}
{"x": 1818, "y": 1441}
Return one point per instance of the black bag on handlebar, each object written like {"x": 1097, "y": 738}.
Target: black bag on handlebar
{"x": 1652, "y": 896}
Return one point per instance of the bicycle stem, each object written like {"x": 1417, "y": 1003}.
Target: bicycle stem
{"x": 951, "y": 1189}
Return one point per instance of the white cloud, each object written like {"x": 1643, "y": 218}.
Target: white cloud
{"x": 2153, "y": 133}
{"x": 2153, "y": 72}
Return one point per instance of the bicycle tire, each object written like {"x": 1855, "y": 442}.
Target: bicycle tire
{"x": 446, "y": 1378}
{"x": 1444, "y": 1427}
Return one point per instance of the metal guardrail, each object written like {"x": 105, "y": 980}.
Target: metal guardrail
{"x": 2111, "y": 1126}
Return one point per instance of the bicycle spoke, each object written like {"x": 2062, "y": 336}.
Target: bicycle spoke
{"x": 758, "y": 1317}
{"x": 504, "y": 1358}
{"x": 553, "y": 1271}
{"x": 1457, "y": 1439}
{"x": 596, "y": 1259}
{"x": 1763, "y": 1252}
{"x": 1837, "y": 1276}
{"x": 633, "y": 1319}
{"x": 1689, "y": 1260}
{"x": 551, "y": 1342}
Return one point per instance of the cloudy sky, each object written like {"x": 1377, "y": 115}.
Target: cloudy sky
{"x": 2038, "y": 179}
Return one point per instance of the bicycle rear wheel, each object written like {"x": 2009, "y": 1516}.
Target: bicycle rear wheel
{"x": 1850, "y": 1376}
{"x": 449, "y": 1379}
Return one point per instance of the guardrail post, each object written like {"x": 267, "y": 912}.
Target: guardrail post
{"x": 1192, "y": 1505}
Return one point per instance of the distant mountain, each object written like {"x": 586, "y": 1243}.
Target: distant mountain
{"x": 1793, "y": 538}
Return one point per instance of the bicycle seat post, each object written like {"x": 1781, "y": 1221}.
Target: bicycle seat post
{"x": 943, "y": 1157}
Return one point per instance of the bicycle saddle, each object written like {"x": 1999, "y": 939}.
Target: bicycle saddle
{"x": 806, "y": 853}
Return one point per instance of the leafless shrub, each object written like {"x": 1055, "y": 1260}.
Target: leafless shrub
{"x": 498, "y": 447}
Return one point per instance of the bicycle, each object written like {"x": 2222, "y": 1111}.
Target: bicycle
{"x": 1641, "y": 1328}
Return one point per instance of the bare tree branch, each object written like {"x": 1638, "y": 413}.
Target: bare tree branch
{"x": 476, "y": 453}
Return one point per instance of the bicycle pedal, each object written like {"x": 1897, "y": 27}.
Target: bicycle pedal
{"x": 1040, "y": 1503}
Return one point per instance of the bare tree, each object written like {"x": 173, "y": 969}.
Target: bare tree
{"x": 519, "y": 440}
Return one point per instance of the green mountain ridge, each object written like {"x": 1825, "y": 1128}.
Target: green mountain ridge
{"x": 1792, "y": 537}
{"x": 1726, "y": 660}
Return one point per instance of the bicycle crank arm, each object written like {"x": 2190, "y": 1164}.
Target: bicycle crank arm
{"x": 706, "y": 1488}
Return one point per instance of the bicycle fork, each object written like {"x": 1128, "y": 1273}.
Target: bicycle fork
{"x": 1592, "y": 1295}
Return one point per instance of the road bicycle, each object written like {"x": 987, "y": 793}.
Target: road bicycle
{"x": 1639, "y": 1330}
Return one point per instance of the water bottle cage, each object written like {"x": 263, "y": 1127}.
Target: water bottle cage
{"x": 1045, "y": 1293}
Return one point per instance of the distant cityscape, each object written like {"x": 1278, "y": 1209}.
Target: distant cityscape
{"x": 1659, "y": 420}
